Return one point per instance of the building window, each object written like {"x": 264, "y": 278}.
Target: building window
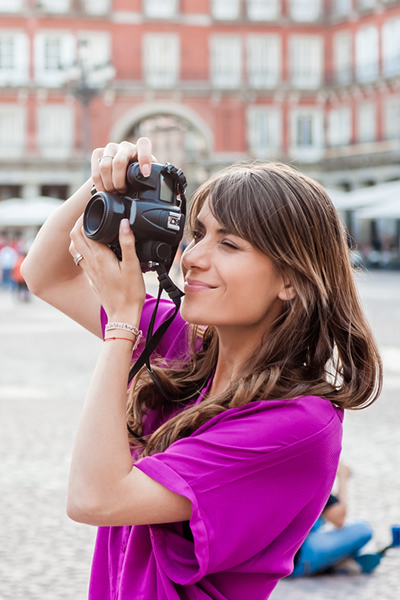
{"x": 97, "y": 7}
{"x": 366, "y": 122}
{"x": 225, "y": 10}
{"x": 53, "y": 53}
{"x": 55, "y": 130}
{"x": 226, "y": 61}
{"x": 13, "y": 6}
{"x": 54, "y": 6}
{"x": 95, "y": 48}
{"x": 13, "y": 58}
{"x": 161, "y": 59}
{"x": 263, "y": 60}
{"x": 305, "y": 10}
{"x": 342, "y": 57}
{"x": 307, "y": 134}
{"x": 340, "y": 126}
{"x": 365, "y": 4}
{"x": 306, "y": 61}
{"x": 391, "y": 47}
{"x": 160, "y": 9}
{"x": 12, "y": 130}
{"x": 367, "y": 53}
{"x": 264, "y": 131}
{"x": 263, "y": 10}
{"x": 392, "y": 118}
{"x": 342, "y": 7}
{"x": 55, "y": 191}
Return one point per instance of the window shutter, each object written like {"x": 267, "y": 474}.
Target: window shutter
{"x": 55, "y": 129}
{"x": 21, "y": 58}
{"x": 264, "y": 131}
{"x": 392, "y": 118}
{"x": 342, "y": 56}
{"x": 263, "y": 10}
{"x": 391, "y": 47}
{"x": 161, "y": 9}
{"x": 367, "y": 122}
{"x": 305, "y": 10}
{"x": 226, "y": 61}
{"x": 263, "y": 60}
{"x": 161, "y": 59}
{"x": 226, "y": 10}
{"x": 55, "y": 6}
{"x": 306, "y": 61}
{"x": 97, "y": 7}
{"x": 367, "y": 53}
{"x": 12, "y": 130}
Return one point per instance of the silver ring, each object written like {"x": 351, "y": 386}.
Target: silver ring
{"x": 104, "y": 156}
{"x": 77, "y": 258}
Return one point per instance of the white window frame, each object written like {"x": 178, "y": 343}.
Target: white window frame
{"x": 340, "y": 126}
{"x": 342, "y": 56}
{"x": 97, "y": 7}
{"x": 51, "y": 142}
{"x": 366, "y": 122}
{"x": 156, "y": 47}
{"x": 97, "y": 47}
{"x": 160, "y": 9}
{"x": 263, "y": 10}
{"x": 12, "y": 145}
{"x": 226, "y": 62}
{"x": 264, "y": 60}
{"x": 308, "y": 76}
{"x": 53, "y": 77}
{"x": 392, "y": 117}
{"x": 17, "y": 72}
{"x": 12, "y": 6}
{"x": 225, "y": 10}
{"x": 367, "y": 53}
{"x": 264, "y": 131}
{"x": 391, "y": 47}
{"x": 54, "y": 6}
{"x": 342, "y": 7}
{"x": 307, "y": 152}
{"x": 305, "y": 10}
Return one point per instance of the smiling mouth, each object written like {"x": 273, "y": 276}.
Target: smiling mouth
{"x": 197, "y": 286}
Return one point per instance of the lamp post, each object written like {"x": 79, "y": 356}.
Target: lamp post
{"x": 85, "y": 81}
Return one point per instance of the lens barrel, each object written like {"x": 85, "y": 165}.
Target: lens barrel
{"x": 102, "y": 217}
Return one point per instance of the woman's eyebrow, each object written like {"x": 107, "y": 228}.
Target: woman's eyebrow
{"x": 199, "y": 225}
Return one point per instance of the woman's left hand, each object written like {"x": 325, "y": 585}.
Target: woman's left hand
{"x": 119, "y": 285}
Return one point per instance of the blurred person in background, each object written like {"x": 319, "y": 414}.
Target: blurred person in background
{"x": 8, "y": 260}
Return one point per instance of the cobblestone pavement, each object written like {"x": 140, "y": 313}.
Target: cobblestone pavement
{"x": 46, "y": 364}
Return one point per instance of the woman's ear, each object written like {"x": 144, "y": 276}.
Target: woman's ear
{"x": 287, "y": 292}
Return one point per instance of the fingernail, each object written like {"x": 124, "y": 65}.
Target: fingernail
{"x": 125, "y": 227}
{"x": 146, "y": 170}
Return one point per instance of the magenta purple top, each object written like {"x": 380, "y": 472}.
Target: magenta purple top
{"x": 257, "y": 476}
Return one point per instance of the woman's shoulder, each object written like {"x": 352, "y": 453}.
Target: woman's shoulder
{"x": 278, "y": 424}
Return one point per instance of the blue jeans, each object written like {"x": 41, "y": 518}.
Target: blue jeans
{"x": 323, "y": 549}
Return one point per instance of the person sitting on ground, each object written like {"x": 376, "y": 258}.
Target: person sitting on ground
{"x": 335, "y": 548}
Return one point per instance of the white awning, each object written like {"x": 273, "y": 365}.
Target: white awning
{"x": 18, "y": 212}
{"x": 375, "y": 195}
{"x": 384, "y": 210}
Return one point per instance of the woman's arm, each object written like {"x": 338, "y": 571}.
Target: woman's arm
{"x": 104, "y": 487}
{"x": 49, "y": 269}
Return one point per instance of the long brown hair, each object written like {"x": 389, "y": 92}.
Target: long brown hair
{"x": 320, "y": 345}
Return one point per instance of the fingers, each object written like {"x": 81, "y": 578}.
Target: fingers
{"x": 144, "y": 155}
{"x": 109, "y": 164}
{"x": 127, "y": 243}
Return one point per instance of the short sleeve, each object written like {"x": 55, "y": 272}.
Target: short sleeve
{"x": 174, "y": 343}
{"x": 248, "y": 476}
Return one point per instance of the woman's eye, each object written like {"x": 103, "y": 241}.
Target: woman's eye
{"x": 196, "y": 235}
{"x": 229, "y": 245}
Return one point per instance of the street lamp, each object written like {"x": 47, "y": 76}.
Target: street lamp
{"x": 85, "y": 81}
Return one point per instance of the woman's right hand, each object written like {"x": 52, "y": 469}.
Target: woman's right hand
{"x": 109, "y": 164}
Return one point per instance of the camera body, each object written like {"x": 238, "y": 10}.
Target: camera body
{"x": 155, "y": 214}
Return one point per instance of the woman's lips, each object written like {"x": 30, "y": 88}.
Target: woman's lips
{"x": 192, "y": 285}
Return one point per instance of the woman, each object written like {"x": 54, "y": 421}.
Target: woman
{"x": 214, "y": 493}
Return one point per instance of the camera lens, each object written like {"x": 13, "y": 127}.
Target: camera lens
{"x": 102, "y": 217}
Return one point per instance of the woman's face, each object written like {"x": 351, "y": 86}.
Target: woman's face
{"x": 228, "y": 282}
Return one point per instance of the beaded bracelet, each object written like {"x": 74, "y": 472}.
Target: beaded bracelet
{"x": 135, "y": 345}
{"x": 123, "y": 326}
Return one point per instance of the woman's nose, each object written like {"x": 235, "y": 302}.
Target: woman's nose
{"x": 196, "y": 255}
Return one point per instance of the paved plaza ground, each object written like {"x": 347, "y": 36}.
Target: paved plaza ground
{"x": 46, "y": 364}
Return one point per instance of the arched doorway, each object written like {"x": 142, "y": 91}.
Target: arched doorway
{"x": 178, "y": 135}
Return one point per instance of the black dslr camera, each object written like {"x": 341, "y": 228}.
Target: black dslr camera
{"x": 155, "y": 214}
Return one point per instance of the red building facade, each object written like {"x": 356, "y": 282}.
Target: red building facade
{"x": 311, "y": 82}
